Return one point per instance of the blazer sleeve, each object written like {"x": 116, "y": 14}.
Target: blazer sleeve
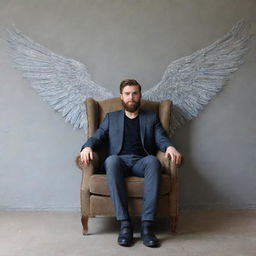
{"x": 99, "y": 136}
{"x": 161, "y": 139}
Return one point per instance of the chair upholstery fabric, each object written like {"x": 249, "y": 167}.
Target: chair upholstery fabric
{"x": 98, "y": 185}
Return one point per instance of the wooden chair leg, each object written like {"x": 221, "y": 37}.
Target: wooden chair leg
{"x": 174, "y": 223}
{"x": 84, "y": 220}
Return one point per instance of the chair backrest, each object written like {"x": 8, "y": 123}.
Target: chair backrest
{"x": 96, "y": 111}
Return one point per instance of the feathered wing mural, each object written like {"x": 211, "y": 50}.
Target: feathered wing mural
{"x": 189, "y": 82}
{"x": 192, "y": 81}
{"x": 64, "y": 83}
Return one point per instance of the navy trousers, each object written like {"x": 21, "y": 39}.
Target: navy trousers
{"x": 118, "y": 167}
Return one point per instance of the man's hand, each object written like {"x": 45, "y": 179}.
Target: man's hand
{"x": 86, "y": 155}
{"x": 175, "y": 156}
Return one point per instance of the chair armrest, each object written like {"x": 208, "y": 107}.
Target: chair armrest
{"x": 173, "y": 170}
{"x": 91, "y": 167}
{"x": 170, "y": 167}
{"x": 87, "y": 172}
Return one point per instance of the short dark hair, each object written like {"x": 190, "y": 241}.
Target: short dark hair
{"x": 128, "y": 82}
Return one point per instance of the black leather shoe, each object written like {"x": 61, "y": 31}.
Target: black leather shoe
{"x": 148, "y": 237}
{"x": 125, "y": 237}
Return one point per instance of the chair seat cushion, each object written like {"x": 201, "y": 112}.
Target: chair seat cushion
{"x": 98, "y": 185}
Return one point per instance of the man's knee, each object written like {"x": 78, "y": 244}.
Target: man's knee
{"x": 112, "y": 164}
{"x": 153, "y": 167}
{"x": 152, "y": 160}
{"x": 112, "y": 160}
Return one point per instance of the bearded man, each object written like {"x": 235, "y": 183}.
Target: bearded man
{"x": 134, "y": 137}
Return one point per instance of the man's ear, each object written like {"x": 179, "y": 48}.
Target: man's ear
{"x": 121, "y": 96}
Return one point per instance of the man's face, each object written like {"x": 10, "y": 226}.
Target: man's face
{"x": 131, "y": 97}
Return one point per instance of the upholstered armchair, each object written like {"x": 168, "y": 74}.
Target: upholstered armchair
{"x": 94, "y": 193}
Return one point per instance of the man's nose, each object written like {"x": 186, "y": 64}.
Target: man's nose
{"x": 130, "y": 97}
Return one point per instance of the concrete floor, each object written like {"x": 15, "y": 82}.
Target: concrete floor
{"x": 208, "y": 233}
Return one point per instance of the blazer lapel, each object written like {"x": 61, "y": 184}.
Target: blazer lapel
{"x": 120, "y": 125}
{"x": 142, "y": 126}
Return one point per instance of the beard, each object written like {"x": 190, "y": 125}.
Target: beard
{"x": 131, "y": 107}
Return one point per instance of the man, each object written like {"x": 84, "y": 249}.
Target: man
{"x": 133, "y": 136}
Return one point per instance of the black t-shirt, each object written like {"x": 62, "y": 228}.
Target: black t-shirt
{"x": 131, "y": 140}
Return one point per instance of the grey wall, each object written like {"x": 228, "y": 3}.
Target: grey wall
{"x": 120, "y": 39}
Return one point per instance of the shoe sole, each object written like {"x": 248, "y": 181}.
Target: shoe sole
{"x": 125, "y": 244}
{"x": 152, "y": 246}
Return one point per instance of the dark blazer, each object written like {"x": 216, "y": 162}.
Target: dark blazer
{"x": 111, "y": 130}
